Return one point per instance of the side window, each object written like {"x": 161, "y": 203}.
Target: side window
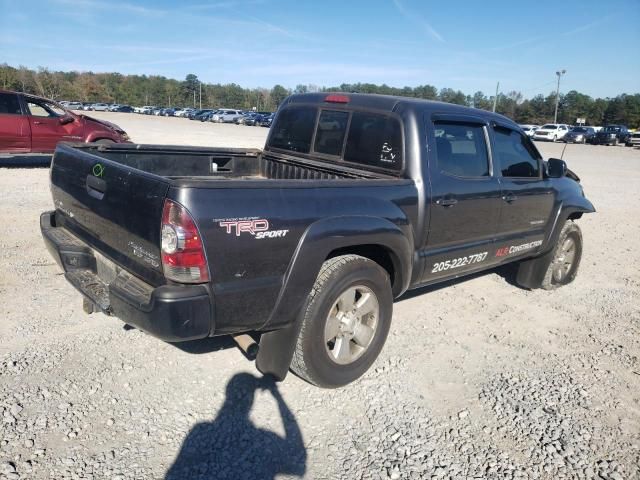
{"x": 332, "y": 127}
{"x": 515, "y": 154}
{"x": 374, "y": 140}
{"x": 42, "y": 109}
{"x": 293, "y": 129}
{"x": 461, "y": 149}
{"x": 9, "y": 104}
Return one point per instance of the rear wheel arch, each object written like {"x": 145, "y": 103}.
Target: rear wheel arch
{"x": 379, "y": 254}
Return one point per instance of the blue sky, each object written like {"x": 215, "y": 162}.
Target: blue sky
{"x": 466, "y": 45}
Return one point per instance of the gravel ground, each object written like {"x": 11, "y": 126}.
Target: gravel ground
{"x": 480, "y": 379}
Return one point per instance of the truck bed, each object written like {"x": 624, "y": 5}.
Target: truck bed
{"x": 196, "y": 163}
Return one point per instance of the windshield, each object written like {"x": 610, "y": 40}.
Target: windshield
{"x": 579, "y": 130}
{"x": 550, "y": 126}
{"x": 612, "y": 128}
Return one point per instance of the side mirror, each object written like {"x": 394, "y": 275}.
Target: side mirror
{"x": 66, "y": 119}
{"x": 556, "y": 168}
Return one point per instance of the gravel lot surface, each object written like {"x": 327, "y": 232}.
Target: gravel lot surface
{"x": 480, "y": 379}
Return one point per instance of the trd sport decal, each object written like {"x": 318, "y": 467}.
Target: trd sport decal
{"x": 504, "y": 251}
{"x": 258, "y": 227}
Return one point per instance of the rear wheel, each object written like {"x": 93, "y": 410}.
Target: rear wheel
{"x": 345, "y": 321}
{"x": 566, "y": 258}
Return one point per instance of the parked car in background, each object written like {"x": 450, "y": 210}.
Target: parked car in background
{"x": 86, "y": 106}
{"x": 198, "y": 112}
{"x": 551, "y": 132}
{"x": 612, "y": 135}
{"x": 252, "y": 118}
{"x": 168, "y": 112}
{"x": 580, "y": 135}
{"x": 147, "y": 109}
{"x": 634, "y": 139}
{"x": 226, "y": 115}
{"x": 124, "y": 109}
{"x": 30, "y": 124}
{"x": 529, "y": 130}
{"x": 99, "y": 107}
{"x": 113, "y": 107}
{"x": 203, "y": 115}
{"x": 265, "y": 120}
{"x": 74, "y": 106}
{"x": 180, "y": 112}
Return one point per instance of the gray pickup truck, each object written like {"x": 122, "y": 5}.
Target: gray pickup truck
{"x": 354, "y": 200}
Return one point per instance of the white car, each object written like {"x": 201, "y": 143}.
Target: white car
{"x": 74, "y": 106}
{"x": 529, "y": 130}
{"x": 225, "y": 115}
{"x": 551, "y": 132}
{"x": 99, "y": 107}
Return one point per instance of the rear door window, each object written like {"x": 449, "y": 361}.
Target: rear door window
{"x": 332, "y": 126}
{"x": 461, "y": 149}
{"x": 374, "y": 140}
{"x": 9, "y": 104}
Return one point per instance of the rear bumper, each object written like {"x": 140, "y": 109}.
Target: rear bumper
{"x": 170, "y": 312}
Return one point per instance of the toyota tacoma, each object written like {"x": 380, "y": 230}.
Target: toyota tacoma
{"x": 354, "y": 200}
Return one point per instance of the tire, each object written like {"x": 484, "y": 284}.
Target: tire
{"x": 560, "y": 272}
{"x": 615, "y": 142}
{"x": 330, "y": 352}
{"x": 555, "y": 138}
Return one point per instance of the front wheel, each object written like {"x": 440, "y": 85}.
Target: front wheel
{"x": 345, "y": 321}
{"x": 566, "y": 258}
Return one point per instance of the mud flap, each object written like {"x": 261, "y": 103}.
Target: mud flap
{"x": 276, "y": 350}
{"x": 531, "y": 272}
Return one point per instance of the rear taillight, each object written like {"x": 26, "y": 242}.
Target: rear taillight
{"x": 183, "y": 258}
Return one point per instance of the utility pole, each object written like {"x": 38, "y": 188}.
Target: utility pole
{"x": 194, "y": 99}
{"x": 559, "y": 74}
{"x": 495, "y": 99}
{"x": 200, "y": 83}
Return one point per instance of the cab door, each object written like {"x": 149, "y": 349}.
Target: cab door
{"x": 50, "y": 124}
{"x": 527, "y": 197}
{"x": 15, "y": 134}
{"x": 465, "y": 198}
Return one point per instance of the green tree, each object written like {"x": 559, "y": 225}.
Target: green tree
{"x": 278, "y": 94}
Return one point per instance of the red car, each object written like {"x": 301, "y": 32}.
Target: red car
{"x": 30, "y": 124}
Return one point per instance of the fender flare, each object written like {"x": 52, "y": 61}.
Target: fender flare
{"x": 531, "y": 272}
{"x": 316, "y": 244}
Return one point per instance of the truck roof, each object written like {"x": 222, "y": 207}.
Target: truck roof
{"x": 392, "y": 103}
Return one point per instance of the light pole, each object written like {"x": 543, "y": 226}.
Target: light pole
{"x": 200, "y": 84}
{"x": 559, "y": 74}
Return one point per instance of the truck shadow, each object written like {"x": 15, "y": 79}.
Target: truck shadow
{"x": 231, "y": 447}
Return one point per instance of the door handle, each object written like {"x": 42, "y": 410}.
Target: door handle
{"x": 38, "y": 123}
{"x": 509, "y": 198}
{"x": 446, "y": 202}
{"x": 96, "y": 187}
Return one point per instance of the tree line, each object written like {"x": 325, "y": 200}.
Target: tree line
{"x": 191, "y": 92}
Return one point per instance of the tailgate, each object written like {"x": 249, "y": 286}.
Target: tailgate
{"x": 114, "y": 208}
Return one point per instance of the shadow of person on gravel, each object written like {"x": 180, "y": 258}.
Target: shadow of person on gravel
{"x": 231, "y": 447}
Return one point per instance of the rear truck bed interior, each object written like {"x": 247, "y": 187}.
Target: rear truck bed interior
{"x": 207, "y": 163}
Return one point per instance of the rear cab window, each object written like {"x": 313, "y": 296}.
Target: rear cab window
{"x": 350, "y": 137}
